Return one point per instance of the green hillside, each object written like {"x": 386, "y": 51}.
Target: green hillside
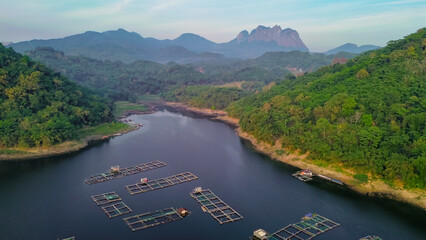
{"x": 368, "y": 114}
{"x": 41, "y": 107}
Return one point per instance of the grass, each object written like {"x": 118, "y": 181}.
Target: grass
{"x": 103, "y": 129}
{"x": 121, "y": 107}
{"x": 363, "y": 178}
{"x": 279, "y": 152}
{"x": 232, "y": 85}
{"x": 320, "y": 163}
{"x": 11, "y": 152}
{"x": 150, "y": 98}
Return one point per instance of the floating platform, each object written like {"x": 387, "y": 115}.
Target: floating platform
{"x": 217, "y": 208}
{"x": 160, "y": 183}
{"x": 371, "y": 237}
{"x": 116, "y": 209}
{"x": 151, "y": 219}
{"x": 301, "y": 177}
{"x": 311, "y": 226}
{"x": 110, "y": 175}
{"x": 106, "y": 198}
{"x": 330, "y": 179}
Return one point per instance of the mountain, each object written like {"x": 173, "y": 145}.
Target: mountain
{"x": 261, "y": 40}
{"x": 368, "y": 115}
{"x": 117, "y": 80}
{"x": 129, "y": 46}
{"x": 352, "y": 48}
{"x": 41, "y": 107}
{"x": 193, "y": 43}
{"x": 121, "y": 81}
{"x": 117, "y": 45}
{"x": 287, "y": 38}
{"x": 298, "y": 61}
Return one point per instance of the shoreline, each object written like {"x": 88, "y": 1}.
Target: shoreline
{"x": 63, "y": 148}
{"x": 374, "y": 187}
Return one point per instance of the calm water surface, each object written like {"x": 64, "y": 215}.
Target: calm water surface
{"x": 47, "y": 199}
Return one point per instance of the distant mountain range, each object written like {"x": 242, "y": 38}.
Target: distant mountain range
{"x": 130, "y": 46}
{"x": 351, "y": 48}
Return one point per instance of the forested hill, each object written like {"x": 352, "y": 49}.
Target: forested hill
{"x": 368, "y": 114}
{"x": 121, "y": 81}
{"x": 41, "y": 107}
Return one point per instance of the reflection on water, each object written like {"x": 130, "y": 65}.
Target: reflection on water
{"x": 48, "y": 199}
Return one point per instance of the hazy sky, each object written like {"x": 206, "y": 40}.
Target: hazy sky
{"x": 322, "y": 24}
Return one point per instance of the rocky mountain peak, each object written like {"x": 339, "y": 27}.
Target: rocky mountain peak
{"x": 242, "y": 36}
{"x": 283, "y": 37}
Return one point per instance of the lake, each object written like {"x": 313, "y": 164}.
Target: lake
{"x": 48, "y": 199}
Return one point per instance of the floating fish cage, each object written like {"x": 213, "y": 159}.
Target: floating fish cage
{"x": 371, "y": 237}
{"x": 116, "y": 209}
{"x": 151, "y": 219}
{"x": 117, "y": 172}
{"x": 106, "y": 198}
{"x": 160, "y": 183}
{"x": 311, "y": 226}
{"x": 217, "y": 208}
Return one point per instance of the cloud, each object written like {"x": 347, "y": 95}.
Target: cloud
{"x": 398, "y": 2}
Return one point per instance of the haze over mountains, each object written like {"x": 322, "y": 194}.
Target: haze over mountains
{"x": 129, "y": 46}
{"x": 352, "y": 48}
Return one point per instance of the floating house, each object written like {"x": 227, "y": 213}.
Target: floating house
{"x": 115, "y": 169}
{"x": 307, "y": 173}
{"x": 183, "y": 212}
{"x": 260, "y": 234}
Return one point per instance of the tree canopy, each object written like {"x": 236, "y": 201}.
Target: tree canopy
{"x": 368, "y": 114}
{"x": 41, "y": 107}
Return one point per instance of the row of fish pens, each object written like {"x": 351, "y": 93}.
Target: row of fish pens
{"x": 115, "y": 208}
{"x": 210, "y": 203}
{"x": 116, "y": 172}
{"x": 311, "y": 226}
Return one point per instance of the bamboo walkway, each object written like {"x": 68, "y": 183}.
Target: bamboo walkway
{"x": 106, "y": 176}
{"x": 217, "y": 208}
{"x": 150, "y": 219}
{"x": 160, "y": 183}
{"x": 116, "y": 209}
{"x": 310, "y": 227}
{"x": 106, "y": 198}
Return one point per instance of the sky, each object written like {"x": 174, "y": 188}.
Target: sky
{"x": 321, "y": 24}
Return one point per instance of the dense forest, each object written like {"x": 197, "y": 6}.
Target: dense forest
{"x": 206, "y": 96}
{"x": 368, "y": 114}
{"x": 126, "y": 81}
{"x": 41, "y": 107}
{"x": 117, "y": 80}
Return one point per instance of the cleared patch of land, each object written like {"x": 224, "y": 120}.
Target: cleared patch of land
{"x": 105, "y": 129}
{"x": 150, "y": 98}
{"x": 238, "y": 85}
{"x": 121, "y": 107}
